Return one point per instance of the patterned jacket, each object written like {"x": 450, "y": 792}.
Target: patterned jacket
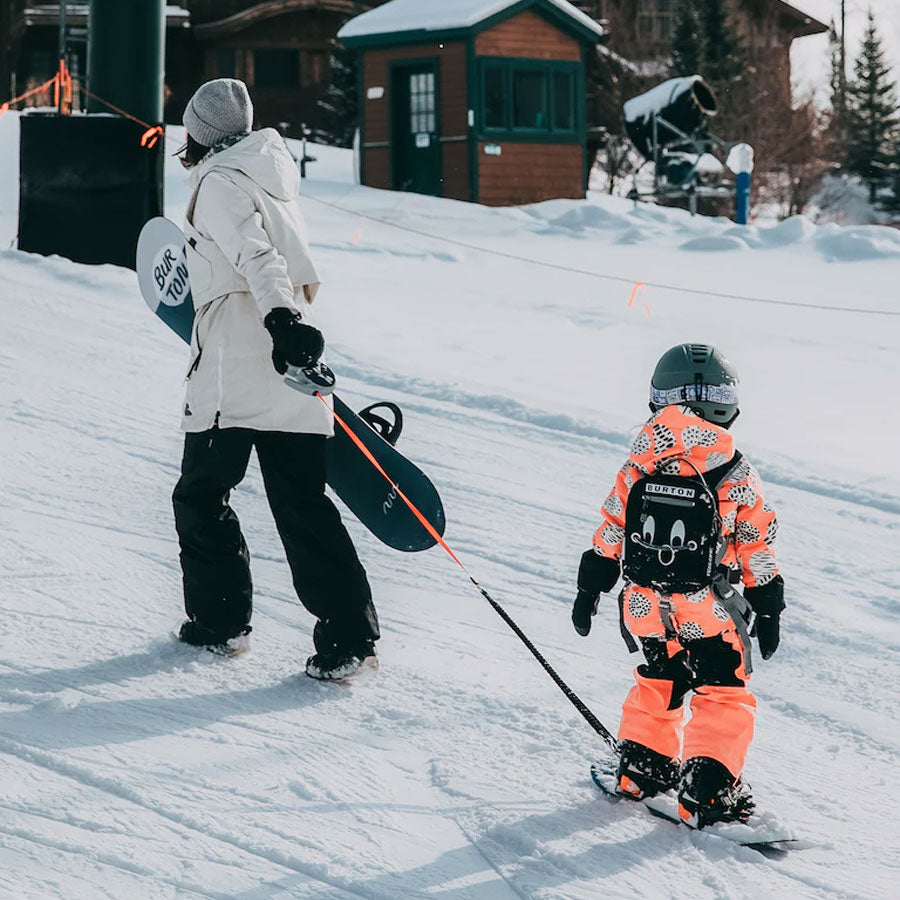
{"x": 749, "y": 523}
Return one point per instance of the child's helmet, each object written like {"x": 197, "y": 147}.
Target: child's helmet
{"x": 698, "y": 376}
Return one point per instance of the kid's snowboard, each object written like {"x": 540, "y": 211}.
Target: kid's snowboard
{"x": 163, "y": 277}
{"x": 763, "y": 832}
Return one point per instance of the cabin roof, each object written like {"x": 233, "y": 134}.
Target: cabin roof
{"x": 405, "y": 20}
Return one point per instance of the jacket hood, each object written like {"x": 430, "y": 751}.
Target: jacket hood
{"x": 263, "y": 157}
{"x": 676, "y": 434}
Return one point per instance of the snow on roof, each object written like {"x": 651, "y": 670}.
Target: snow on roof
{"x": 443, "y": 15}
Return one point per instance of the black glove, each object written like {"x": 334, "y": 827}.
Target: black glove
{"x": 584, "y": 608}
{"x": 768, "y": 634}
{"x": 767, "y": 602}
{"x": 596, "y": 575}
{"x": 294, "y": 343}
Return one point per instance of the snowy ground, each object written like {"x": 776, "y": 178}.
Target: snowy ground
{"x": 131, "y": 767}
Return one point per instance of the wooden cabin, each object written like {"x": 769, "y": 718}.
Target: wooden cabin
{"x": 480, "y": 100}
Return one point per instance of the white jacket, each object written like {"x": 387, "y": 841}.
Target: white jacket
{"x": 247, "y": 253}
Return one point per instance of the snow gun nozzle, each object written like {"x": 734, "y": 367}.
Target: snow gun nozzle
{"x": 311, "y": 380}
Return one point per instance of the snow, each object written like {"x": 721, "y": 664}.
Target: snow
{"x": 414, "y": 15}
{"x": 658, "y": 98}
{"x": 134, "y": 767}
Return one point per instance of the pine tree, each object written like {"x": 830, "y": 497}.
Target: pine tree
{"x": 872, "y": 121}
{"x": 724, "y": 60}
{"x": 687, "y": 41}
{"x": 837, "y": 85}
{"x": 341, "y": 101}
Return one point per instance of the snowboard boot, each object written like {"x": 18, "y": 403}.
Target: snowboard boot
{"x": 710, "y": 793}
{"x": 643, "y": 772}
{"x": 342, "y": 664}
{"x": 197, "y": 635}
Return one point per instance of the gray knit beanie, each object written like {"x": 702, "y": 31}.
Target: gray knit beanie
{"x": 219, "y": 108}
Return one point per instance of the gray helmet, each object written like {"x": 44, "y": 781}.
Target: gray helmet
{"x": 698, "y": 376}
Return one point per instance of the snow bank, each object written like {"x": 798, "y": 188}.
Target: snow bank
{"x": 620, "y": 221}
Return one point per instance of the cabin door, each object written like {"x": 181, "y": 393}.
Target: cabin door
{"x": 414, "y": 128}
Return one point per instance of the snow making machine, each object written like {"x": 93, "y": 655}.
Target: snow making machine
{"x": 669, "y": 127}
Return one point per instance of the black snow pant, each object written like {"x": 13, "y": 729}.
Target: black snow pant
{"x": 328, "y": 576}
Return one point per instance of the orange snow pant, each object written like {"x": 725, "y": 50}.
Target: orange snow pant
{"x": 722, "y": 709}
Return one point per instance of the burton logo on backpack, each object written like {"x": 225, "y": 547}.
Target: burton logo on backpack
{"x": 672, "y": 529}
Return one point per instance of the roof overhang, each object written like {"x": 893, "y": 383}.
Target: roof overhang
{"x": 804, "y": 24}
{"x": 77, "y": 15}
{"x": 582, "y": 28}
{"x": 260, "y": 12}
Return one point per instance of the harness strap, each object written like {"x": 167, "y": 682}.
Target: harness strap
{"x": 732, "y": 599}
{"x": 739, "y": 609}
{"x": 627, "y": 636}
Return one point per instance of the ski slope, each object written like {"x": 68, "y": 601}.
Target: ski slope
{"x": 131, "y": 766}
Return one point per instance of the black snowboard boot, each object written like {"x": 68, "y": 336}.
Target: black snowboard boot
{"x": 198, "y": 635}
{"x": 710, "y": 793}
{"x": 643, "y": 772}
{"x": 341, "y": 664}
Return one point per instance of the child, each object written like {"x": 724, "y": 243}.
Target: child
{"x": 685, "y": 521}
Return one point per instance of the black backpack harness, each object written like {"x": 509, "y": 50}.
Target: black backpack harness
{"x": 674, "y": 544}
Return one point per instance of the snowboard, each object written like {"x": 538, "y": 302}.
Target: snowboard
{"x": 763, "y": 832}
{"x": 165, "y": 285}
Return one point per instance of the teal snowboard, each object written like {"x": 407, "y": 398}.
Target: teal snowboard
{"x": 163, "y": 277}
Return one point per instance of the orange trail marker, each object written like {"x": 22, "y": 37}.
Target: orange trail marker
{"x": 638, "y": 286}
{"x": 150, "y": 137}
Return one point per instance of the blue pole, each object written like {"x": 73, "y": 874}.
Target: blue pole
{"x": 742, "y": 185}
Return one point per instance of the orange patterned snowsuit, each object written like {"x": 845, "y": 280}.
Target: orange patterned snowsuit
{"x": 721, "y": 725}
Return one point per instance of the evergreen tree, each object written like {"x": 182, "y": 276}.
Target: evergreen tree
{"x": 837, "y": 84}
{"x": 837, "y": 80}
{"x": 871, "y": 114}
{"x": 724, "y": 60}
{"x": 341, "y": 101}
{"x": 687, "y": 41}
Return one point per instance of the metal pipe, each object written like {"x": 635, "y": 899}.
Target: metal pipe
{"x": 126, "y": 56}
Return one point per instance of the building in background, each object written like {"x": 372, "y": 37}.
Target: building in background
{"x": 29, "y": 42}
{"x": 474, "y": 101}
{"x": 643, "y": 30}
{"x": 281, "y": 48}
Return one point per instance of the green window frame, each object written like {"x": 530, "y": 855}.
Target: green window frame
{"x": 528, "y": 97}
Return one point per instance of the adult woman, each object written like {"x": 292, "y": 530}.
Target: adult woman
{"x": 253, "y": 284}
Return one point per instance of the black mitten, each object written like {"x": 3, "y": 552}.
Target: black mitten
{"x": 294, "y": 343}
{"x": 596, "y": 575}
{"x": 767, "y": 601}
{"x": 768, "y": 634}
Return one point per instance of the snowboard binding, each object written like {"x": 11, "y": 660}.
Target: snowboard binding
{"x": 389, "y": 430}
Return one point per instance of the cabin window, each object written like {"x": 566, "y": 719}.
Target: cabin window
{"x": 529, "y": 97}
{"x": 563, "y": 101}
{"x": 422, "y": 106}
{"x": 656, "y": 20}
{"x": 276, "y": 68}
{"x": 494, "y": 97}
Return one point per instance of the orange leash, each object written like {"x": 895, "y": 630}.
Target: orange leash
{"x": 573, "y": 698}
